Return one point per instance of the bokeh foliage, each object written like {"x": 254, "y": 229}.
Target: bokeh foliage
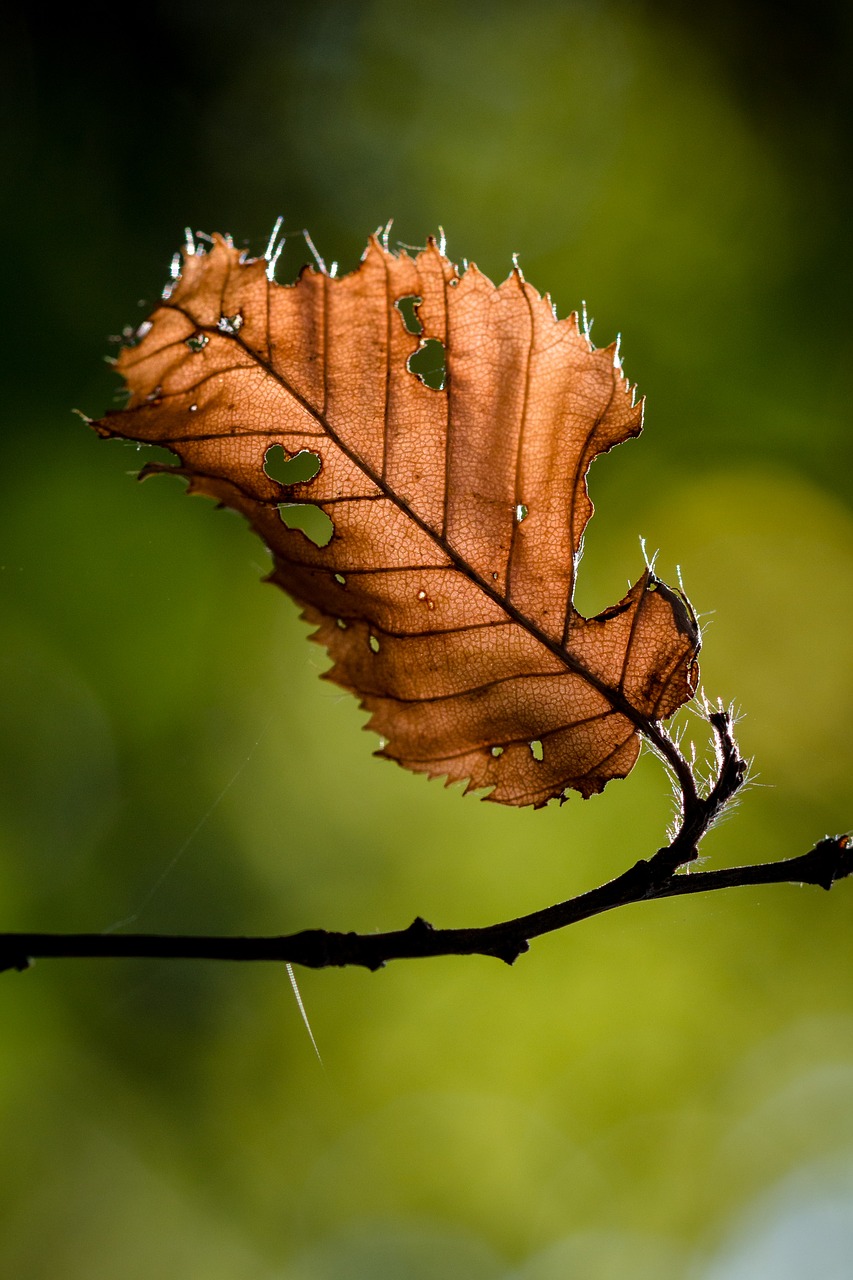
{"x": 661, "y": 1093}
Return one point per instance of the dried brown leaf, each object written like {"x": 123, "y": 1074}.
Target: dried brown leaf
{"x": 444, "y": 596}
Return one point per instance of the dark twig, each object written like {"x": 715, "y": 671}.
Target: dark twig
{"x": 700, "y": 812}
{"x": 658, "y": 877}
{"x": 831, "y": 859}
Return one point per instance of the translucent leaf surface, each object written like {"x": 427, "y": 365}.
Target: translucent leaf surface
{"x": 443, "y": 587}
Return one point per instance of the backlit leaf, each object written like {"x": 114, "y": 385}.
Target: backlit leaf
{"x": 412, "y": 445}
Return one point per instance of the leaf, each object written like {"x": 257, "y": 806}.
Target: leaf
{"x": 456, "y": 505}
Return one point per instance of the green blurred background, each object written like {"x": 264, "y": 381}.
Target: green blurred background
{"x": 661, "y": 1093}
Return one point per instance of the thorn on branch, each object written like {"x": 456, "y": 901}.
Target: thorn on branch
{"x": 510, "y": 951}
{"x": 831, "y": 859}
{"x": 419, "y": 927}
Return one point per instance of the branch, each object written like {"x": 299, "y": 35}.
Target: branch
{"x": 831, "y": 859}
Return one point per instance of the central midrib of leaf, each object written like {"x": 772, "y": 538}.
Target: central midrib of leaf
{"x": 649, "y": 728}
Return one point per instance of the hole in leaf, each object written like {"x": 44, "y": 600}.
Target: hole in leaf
{"x": 197, "y": 342}
{"x": 342, "y": 624}
{"x": 339, "y": 577}
{"x": 497, "y": 751}
{"x": 408, "y": 308}
{"x": 521, "y": 512}
{"x": 298, "y": 469}
{"x": 537, "y": 750}
{"x": 374, "y": 643}
{"x": 429, "y": 364}
{"x": 230, "y": 324}
{"x": 308, "y": 519}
